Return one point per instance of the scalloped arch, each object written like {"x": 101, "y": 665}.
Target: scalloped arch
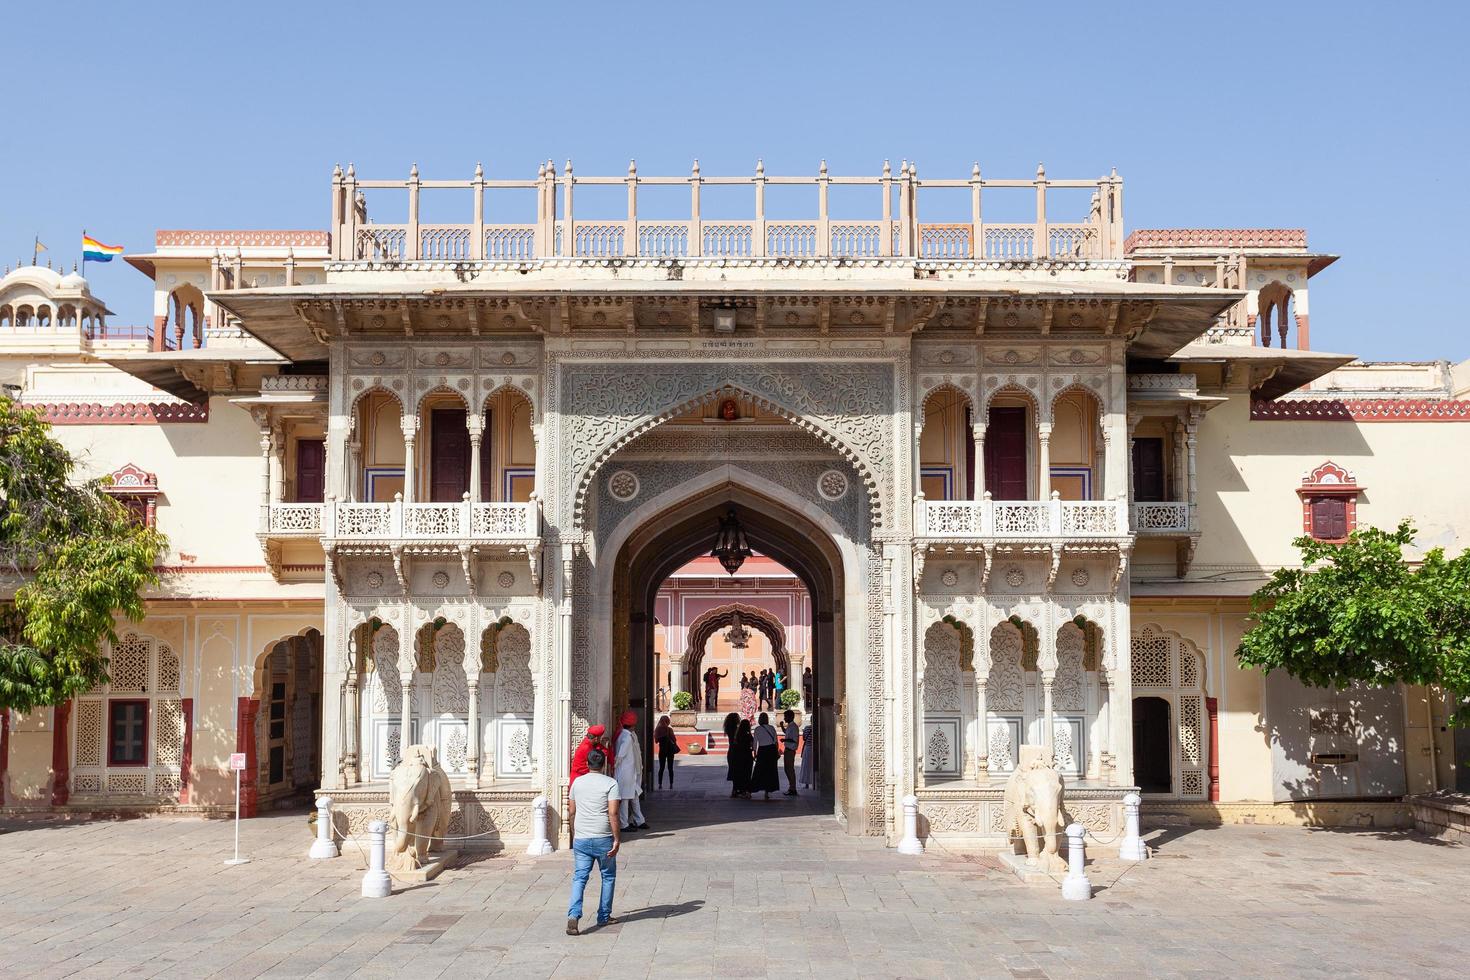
{"x": 1186, "y": 646}
{"x": 713, "y": 396}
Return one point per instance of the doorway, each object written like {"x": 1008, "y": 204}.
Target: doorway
{"x": 1153, "y": 745}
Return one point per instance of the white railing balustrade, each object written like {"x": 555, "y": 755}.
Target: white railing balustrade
{"x": 429, "y": 521}
{"x": 559, "y": 233}
{"x": 1020, "y": 519}
{"x": 1161, "y": 517}
{"x": 296, "y": 519}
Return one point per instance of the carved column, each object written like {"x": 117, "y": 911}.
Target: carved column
{"x": 472, "y": 750}
{"x": 476, "y": 424}
{"x": 676, "y": 679}
{"x": 1047, "y": 731}
{"x": 977, "y": 470}
{"x": 980, "y": 767}
{"x": 278, "y": 464}
{"x": 408, "y": 665}
{"x": 1191, "y": 437}
{"x": 265, "y": 471}
{"x": 352, "y": 724}
{"x": 1043, "y": 476}
{"x": 354, "y": 461}
{"x": 410, "y": 473}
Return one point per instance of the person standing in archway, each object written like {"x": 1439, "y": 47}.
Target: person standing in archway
{"x": 712, "y": 678}
{"x": 790, "y": 738}
{"x": 628, "y": 770}
{"x": 765, "y": 779}
{"x": 807, "y": 689}
{"x": 668, "y": 747}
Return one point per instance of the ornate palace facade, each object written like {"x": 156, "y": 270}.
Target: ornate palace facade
{"x": 423, "y": 482}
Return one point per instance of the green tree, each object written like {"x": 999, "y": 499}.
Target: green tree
{"x": 74, "y": 558}
{"x": 1360, "y": 612}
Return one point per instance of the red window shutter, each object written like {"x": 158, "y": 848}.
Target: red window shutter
{"x": 1329, "y": 518}
{"x": 311, "y": 470}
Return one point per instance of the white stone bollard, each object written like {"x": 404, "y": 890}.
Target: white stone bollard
{"x": 376, "y": 883}
{"x": 1132, "y": 848}
{"x": 540, "y": 844}
{"x": 324, "y": 846}
{"x": 1076, "y": 887}
{"x": 910, "y": 844}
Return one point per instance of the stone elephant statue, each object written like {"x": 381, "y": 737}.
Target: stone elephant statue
{"x": 419, "y": 800}
{"x": 1034, "y": 812}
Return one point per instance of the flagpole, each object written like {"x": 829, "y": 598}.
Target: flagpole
{"x": 84, "y": 263}
{"x": 35, "y": 250}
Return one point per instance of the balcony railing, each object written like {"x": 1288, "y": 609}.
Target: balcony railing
{"x": 562, "y": 231}
{"x": 1162, "y": 517}
{"x": 463, "y": 521}
{"x": 1020, "y": 519}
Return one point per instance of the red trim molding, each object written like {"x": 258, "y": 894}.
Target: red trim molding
{"x": 246, "y": 238}
{"x": 1362, "y": 410}
{"x": 126, "y": 413}
{"x": 186, "y": 761}
{"x": 1216, "y": 238}
{"x": 4, "y": 750}
{"x": 245, "y": 714}
{"x": 60, "y": 753}
{"x": 1212, "y": 711}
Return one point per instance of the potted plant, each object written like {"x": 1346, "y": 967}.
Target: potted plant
{"x": 791, "y": 699}
{"x": 683, "y": 717}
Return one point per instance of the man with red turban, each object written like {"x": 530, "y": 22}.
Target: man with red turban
{"x": 628, "y": 771}
{"x": 593, "y": 739}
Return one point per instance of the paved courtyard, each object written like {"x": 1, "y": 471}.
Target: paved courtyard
{"x": 731, "y": 889}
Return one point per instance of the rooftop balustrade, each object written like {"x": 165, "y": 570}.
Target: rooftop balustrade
{"x": 562, "y": 231}
{"x": 398, "y": 521}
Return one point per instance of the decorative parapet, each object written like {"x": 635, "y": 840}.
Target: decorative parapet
{"x": 1011, "y": 520}
{"x": 190, "y": 238}
{"x": 1169, "y": 383}
{"x": 1361, "y": 410}
{"x": 293, "y": 383}
{"x": 122, "y": 413}
{"x": 1163, "y": 517}
{"x": 1223, "y": 238}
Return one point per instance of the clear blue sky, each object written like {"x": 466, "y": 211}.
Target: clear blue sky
{"x": 1348, "y": 119}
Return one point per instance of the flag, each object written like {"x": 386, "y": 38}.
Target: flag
{"x": 95, "y": 251}
{"x": 39, "y": 246}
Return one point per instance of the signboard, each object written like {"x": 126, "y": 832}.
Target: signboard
{"x": 237, "y": 761}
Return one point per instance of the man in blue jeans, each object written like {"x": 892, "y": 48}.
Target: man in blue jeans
{"x": 592, "y": 810}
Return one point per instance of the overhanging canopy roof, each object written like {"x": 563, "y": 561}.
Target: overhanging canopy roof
{"x": 1177, "y": 314}
{"x": 172, "y": 371}
{"x": 1274, "y": 371}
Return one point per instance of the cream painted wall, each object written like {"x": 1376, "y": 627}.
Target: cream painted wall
{"x": 1249, "y": 511}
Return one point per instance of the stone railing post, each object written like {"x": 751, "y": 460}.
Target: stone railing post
{"x": 1043, "y": 469}
{"x": 375, "y": 882}
{"x": 540, "y": 842}
{"x": 1076, "y": 887}
{"x": 758, "y": 229}
{"x": 885, "y": 183}
{"x": 323, "y": 846}
{"x": 630, "y": 236}
{"x": 1041, "y": 249}
{"x": 477, "y": 187}
{"x": 824, "y": 221}
{"x": 977, "y": 227}
{"x": 412, "y": 245}
{"x": 569, "y": 232}
{"x": 696, "y": 220}
{"x": 1132, "y": 848}
{"x": 910, "y": 844}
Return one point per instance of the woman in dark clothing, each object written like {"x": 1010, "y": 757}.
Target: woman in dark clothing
{"x": 740, "y": 756}
{"x": 765, "y": 779}
{"x": 668, "y": 747}
{"x": 732, "y": 723}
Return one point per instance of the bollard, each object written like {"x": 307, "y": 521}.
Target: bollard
{"x": 910, "y": 844}
{"x": 376, "y": 883}
{"x": 539, "y": 843}
{"x": 1132, "y": 848}
{"x": 1076, "y": 887}
{"x": 323, "y": 846}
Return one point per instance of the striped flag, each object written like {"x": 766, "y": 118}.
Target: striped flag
{"x": 95, "y": 251}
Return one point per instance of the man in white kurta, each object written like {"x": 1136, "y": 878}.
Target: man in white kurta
{"x": 628, "y": 771}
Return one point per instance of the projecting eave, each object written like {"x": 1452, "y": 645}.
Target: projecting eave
{"x": 179, "y": 372}
{"x": 1273, "y": 372}
{"x": 299, "y": 321}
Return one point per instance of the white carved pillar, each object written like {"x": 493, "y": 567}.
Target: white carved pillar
{"x": 1191, "y": 436}
{"x": 1132, "y": 428}
{"x": 472, "y": 754}
{"x": 977, "y": 469}
{"x": 1047, "y": 730}
{"x": 676, "y": 678}
{"x": 407, "y": 671}
{"x": 476, "y": 424}
{"x": 265, "y": 471}
{"x": 410, "y": 472}
{"x": 352, "y": 727}
{"x": 353, "y": 482}
{"x": 1104, "y": 727}
{"x": 980, "y": 767}
{"x": 278, "y": 464}
{"x": 1043, "y": 475}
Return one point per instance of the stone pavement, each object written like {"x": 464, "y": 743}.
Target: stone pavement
{"x": 731, "y": 889}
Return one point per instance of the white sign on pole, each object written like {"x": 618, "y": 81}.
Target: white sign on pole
{"x": 237, "y": 763}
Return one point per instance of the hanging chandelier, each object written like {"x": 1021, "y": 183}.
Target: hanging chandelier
{"x": 731, "y": 548}
{"x": 737, "y": 635}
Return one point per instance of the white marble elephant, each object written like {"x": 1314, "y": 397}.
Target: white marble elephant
{"x": 1033, "y": 800}
{"x": 419, "y": 800}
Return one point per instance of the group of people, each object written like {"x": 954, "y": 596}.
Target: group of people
{"x": 754, "y": 750}
{"x": 767, "y": 685}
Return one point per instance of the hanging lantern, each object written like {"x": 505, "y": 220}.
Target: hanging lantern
{"x": 731, "y": 548}
{"x": 737, "y": 635}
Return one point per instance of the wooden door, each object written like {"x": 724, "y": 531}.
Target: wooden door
{"x": 311, "y": 470}
{"x": 449, "y": 446}
{"x": 1148, "y": 469}
{"x": 1005, "y": 454}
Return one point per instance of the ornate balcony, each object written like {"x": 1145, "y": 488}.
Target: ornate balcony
{"x": 1163, "y": 518}
{"x": 462, "y": 522}
{"x": 1021, "y": 521}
